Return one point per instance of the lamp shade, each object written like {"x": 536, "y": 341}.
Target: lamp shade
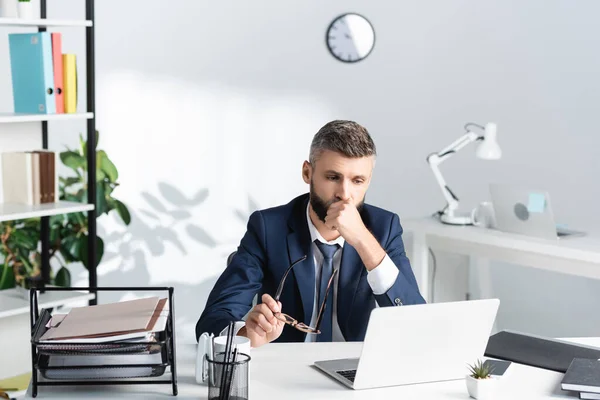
{"x": 488, "y": 148}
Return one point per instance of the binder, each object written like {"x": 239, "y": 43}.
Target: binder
{"x": 57, "y": 61}
{"x": 48, "y": 180}
{"x": 17, "y": 178}
{"x": 32, "y": 73}
{"x": 70, "y": 83}
{"x": 36, "y": 177}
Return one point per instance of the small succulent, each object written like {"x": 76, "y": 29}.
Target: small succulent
{"x": 480, "y": 370}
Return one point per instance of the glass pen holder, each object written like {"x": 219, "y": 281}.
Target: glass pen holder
{"x": 228, "y": 380}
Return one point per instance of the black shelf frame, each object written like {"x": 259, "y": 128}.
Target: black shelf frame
{"x": 91, "y": 157}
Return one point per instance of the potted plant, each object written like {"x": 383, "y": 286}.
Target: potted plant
{"x": 8, "y": 9}
{"x": 480, "y": 383}
{"x": 25, "y": 9}
{"x": 19, "y": 240}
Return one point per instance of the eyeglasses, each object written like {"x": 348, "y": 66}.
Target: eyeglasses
{"x": 301, "y": 326}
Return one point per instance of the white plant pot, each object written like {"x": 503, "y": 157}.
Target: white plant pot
{"x": 481, "y": 389}
{"x": 26, "y": 10}
{"x": 8, "y": 9}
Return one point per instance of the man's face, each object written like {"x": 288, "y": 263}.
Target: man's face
{"x": 335, "y": 177}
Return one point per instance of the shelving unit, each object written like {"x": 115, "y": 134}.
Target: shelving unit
{"x": 15, "y": 211}
{"x": 15, "y": 324}
{"x": 48, "y": 23}
{"x": 9, "y": 212}
{"x": 7, "y": 118}
{"x": 13, "y": 303}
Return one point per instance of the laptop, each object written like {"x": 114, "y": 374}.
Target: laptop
{"x": 417, "y": 344}
{"x": 527, "y": 212}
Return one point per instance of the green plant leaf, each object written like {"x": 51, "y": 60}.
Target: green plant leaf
{"x": 101, "y": 206}
{"x": 79, "y": 197}
{"x": 55, "y": 233}
{"x": 7, "y": 278}
{"x": 76, "y": 219}
{"x": 70, "y": 248}
{"x": 100, "y": 175}
{"x": 58, "y": 219}
{"x": 107, "y": 166}
{"x": 82, "y": 146}
{"x": 83, "y": 255}
{"x": 73, "y": 160}
{"x": 63, "y": 277}
{"x": 123, "y": 211}
{"x": 70, "y": 181}
{"x": 23, "y": 240}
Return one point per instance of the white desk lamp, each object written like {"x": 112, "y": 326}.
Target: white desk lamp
{"x": 488, "y": 149}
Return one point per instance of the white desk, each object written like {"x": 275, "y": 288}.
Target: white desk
{"x": 284, "y": 371}
{"x": 571, "y": 255}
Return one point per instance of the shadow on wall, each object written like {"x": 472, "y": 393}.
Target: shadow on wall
{"x": 167, "y": 220}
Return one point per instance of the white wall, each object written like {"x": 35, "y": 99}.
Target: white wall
{"x": 218, "y": 101}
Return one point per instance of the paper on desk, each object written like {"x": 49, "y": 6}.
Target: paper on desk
{"x": 55, "y": 320}
{"x": 158, "y": 324}
{"x": 134, "y": 316}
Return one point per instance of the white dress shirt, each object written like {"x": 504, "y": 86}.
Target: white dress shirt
{"x": 380, "y": 278}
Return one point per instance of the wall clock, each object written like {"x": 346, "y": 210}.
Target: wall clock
{"x": 350, "y": 38}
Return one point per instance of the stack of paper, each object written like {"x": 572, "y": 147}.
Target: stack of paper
{"x": 127, "y": 320}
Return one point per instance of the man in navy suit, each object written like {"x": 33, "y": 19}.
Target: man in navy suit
{"x": 355, "y": 257}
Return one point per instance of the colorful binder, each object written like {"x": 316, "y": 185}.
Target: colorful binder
{"x": 57, "y": 61}
{"x": 32, "y": 72}
{"x": 70, "y": 83}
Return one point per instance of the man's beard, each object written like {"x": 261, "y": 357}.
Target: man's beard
{"x": 321, "y": 206}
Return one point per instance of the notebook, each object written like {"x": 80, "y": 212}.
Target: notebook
{"x": 583, "y": 375}
{"x": 589, "y": 396}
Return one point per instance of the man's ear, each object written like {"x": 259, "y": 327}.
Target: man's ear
{"x": 306, "y": 171}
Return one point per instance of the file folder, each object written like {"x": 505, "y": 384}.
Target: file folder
{"x": 57, "y": 62}
{"x": 70, "y": 83}
{"x": 32, "y": 73}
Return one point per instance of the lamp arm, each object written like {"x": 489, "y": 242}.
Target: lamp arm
{"x": 434, "y": 162}
{"x": 435, "y": 159}
{"x": 457, "y": 145}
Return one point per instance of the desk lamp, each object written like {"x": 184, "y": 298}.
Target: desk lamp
{"x": 488, "y": 149}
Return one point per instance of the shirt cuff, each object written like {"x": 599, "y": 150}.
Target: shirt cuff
{"x": 236, "y": 328}
{"x": 382, "y": 277}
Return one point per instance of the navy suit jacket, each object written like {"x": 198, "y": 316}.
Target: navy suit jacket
{"x": 278, "y": 236}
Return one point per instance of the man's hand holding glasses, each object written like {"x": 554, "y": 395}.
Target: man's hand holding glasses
{"x": 262, "y": 326}
{"x": 266, "y": 321}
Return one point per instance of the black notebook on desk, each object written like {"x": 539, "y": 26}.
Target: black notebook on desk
{"x": 536, "y": 351}
{"x": 583, "y": 375}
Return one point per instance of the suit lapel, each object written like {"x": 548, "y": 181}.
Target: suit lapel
{"x": 299, "y": 245}
{"x": 351, "y": 269}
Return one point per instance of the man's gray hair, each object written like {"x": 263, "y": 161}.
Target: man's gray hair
{"x": 345, "y": 137}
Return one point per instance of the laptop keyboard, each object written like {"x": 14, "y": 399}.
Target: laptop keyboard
{"x": 348, "y": 374}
